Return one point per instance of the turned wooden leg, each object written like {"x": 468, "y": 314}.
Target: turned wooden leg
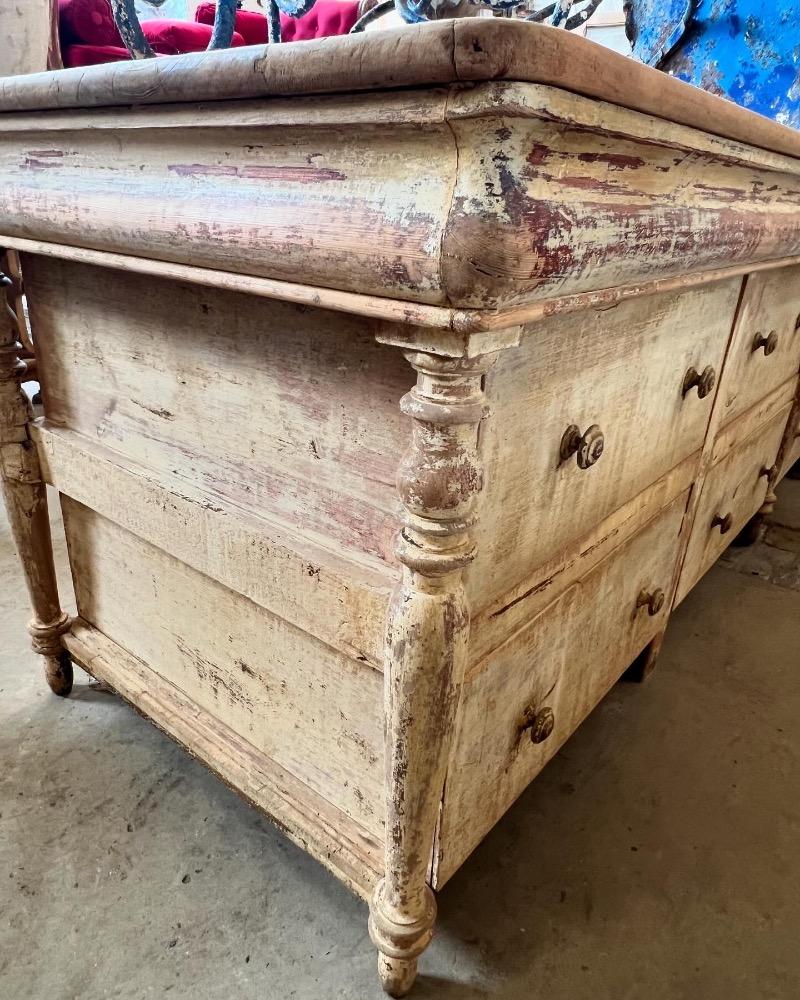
{"x": 25, "y": 498}
{"x": 753, "y": 531}
{"x": 426, "y": 648}
{"x": 645, "y": 662}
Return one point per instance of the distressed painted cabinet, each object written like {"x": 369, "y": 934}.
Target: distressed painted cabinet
{"x": 564, "y": 287}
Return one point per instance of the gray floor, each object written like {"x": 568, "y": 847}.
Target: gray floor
{"x": 656, "y": 857}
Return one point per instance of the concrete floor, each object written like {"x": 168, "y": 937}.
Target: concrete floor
{"x": 656, "y": 858}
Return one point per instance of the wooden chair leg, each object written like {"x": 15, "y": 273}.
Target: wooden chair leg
{"x": 25, "y": 496}
{"x": 438, "y": 482}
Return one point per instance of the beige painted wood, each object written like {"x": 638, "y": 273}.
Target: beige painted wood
{"x": 341, "y": 601}
{"x": 732, "y": 492}
{"x": 622, "y": 370}
{"x": 771, "y": 307}
{"x": 308, "y": 820}
{"x": 28, "y": 37}
{"x": 213, "y": 388}
{"x": 565, "y": 659}
{"x": 315, "y": 712}
{"x": 477, "y": 212}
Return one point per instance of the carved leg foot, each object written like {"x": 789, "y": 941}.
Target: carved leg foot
{"x": 751, "y": 533}
{"x": 46, "y": 641}
{"x": 400, "y": 937}
{"x": 58, "y": 671}
{"x": 397, "y": 975}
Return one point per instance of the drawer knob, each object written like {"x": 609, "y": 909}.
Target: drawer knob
{"x": 652, "y": 600}
{"x": 723, "y": 523}
{"x": 588, "y": 447}
{"x": 769, "y": 343}
{"x": 539, "y": 723}
{"x": 769, "y": 472}
{"x": 705, "y": 381}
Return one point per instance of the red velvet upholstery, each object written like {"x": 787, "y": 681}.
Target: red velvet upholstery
{"x": 87, "y": 22}
{"x": 326, "y": 17}
{"x": 171, "y": 38}
{"x": 92, "y": 55}
{"x": 90, "y": 23}
{"x": 251, "y": 25}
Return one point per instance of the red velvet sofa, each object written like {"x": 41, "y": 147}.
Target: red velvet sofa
{"x": 88, "y": 34}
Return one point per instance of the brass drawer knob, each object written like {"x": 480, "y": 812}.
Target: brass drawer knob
{"x": 769, "y": 343}
{"x": 588, "y": 447}
{"x": 539, "y": 723}
{"x": 652, "y": 600}
{"x": 723, "y": 523}
{"x": 705, "y": 381}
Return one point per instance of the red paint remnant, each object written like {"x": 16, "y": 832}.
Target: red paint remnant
{"x": 33, "y": 164}
{"x": 539, "y": 154}
{"x": 615, "y": 161}
{"x": 301, "y": 175}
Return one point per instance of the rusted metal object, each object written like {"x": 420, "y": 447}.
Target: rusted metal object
{"x": 744, "y": 50}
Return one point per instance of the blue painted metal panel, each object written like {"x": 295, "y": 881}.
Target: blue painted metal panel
{"x": 746, "y": 50}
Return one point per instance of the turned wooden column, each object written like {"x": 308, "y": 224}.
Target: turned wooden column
{"x": 25, "y": 498}
{"x": 428, "y": 625}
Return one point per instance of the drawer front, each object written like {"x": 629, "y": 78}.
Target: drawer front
{"x": 732, "y": 492}
{"x": 623, "y": 371}
{"x": 562, "y": 662}
{"x": 765, "y": 349}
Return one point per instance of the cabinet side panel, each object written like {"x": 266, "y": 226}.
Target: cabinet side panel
{"x": 313, "y": 711}
{"x": 282, "y": 410}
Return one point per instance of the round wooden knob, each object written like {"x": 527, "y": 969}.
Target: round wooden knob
{"x": 769, "y": 343}
{"x": 587, "y": 447}
{"x": 652, "y": 600}
{"x": 724, "y": 523}
{"x": 704, "y": 381}
{"x": 769, "y": 472}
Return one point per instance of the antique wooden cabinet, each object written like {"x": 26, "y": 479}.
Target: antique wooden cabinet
{"x": 565, "y": 287}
